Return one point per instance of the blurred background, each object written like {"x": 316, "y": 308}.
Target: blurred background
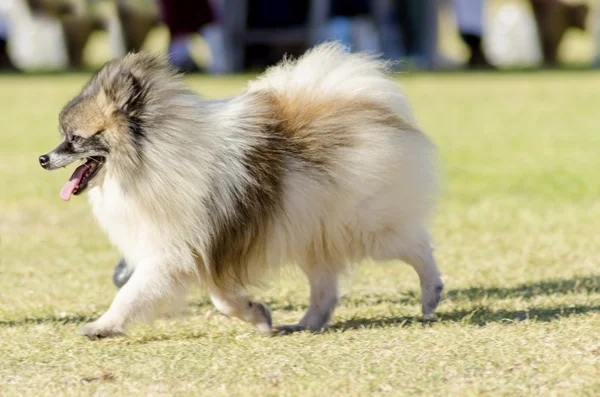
{"x": 232, "y": 36}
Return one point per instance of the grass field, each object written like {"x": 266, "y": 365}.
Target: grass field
{"x": 518, "y": 241}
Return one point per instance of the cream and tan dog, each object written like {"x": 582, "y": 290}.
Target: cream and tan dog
{"x": 319, "y": 163}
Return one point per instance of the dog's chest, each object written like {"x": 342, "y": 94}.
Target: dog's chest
{"x": 118, "y": 215}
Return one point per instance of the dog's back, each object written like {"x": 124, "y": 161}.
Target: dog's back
{"x": 365, "y": 176}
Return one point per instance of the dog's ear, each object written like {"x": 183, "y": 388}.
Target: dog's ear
{"x": 126, "y": 92}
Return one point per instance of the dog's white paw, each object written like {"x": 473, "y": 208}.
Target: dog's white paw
{"x": 97, "y": 330}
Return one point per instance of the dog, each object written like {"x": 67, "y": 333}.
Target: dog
{"x": 319, "y": 164}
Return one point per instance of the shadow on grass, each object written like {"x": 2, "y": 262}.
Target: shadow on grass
{"x": 479, "y": 316}
{"x": 590, "y": 284}
{"x": 70, "y": 319}
{"x": 404, "y": 298}
{"x": 482, "y": 315}
{"x": 576, "y": 285}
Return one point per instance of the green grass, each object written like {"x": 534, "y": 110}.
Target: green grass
{"x": 517, "y": 232}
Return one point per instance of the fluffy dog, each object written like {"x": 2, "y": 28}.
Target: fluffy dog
{"x": 319, "y": 163}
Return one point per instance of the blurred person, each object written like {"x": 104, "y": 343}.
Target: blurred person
{"x": 470, "y": 16}
{"x": 136, "y": 19}
{"x": 272, "y": 16}
{"x": 402, "y": 29}
{"x": 5, "y": 62}
{"x": 364, "y": 25}
{"x": 511, "y": 38}
{"x": 351, "y": 24}
{"x": 184, "y": 19}
{"x": 418, "y": 23}
{"x": 35, "y": 39}
{"x": 78, "y": 22}
{"x": 553, "y": 19}
{"x": 596, "y": 25}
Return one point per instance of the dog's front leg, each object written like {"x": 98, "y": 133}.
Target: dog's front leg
{"x": 151, "y": 286}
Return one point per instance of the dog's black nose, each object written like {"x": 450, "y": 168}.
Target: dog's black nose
{"x": 44, "y": 159}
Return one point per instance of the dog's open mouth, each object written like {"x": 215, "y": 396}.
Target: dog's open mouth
{"x": 82, "y": 175}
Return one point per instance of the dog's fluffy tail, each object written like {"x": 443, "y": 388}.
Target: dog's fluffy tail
{"x": 329, "y": 70}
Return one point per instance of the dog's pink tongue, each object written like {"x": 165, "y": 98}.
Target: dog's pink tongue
{"x": 67, "y": 191}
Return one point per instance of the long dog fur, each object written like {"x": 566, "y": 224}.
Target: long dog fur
{"x": 319, "y": 163}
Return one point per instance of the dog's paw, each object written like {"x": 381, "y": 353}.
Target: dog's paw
{"x": 288, "y": 329}
{"x": 432, "y": 298}
{"x": 96, "y": 330}
{"x": 259, "y": 314}
{"x": 265, "y": 322}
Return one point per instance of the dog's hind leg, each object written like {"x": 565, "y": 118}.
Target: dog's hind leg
{"x": 242, "y": 307}
{"x": 151, "y": 286}
{"x": 432, "y": 286}
{"x": 323, "y": 300}
{"x": 414, "y": 248}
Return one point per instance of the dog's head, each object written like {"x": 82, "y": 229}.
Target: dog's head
{"x": 107, "y": 119}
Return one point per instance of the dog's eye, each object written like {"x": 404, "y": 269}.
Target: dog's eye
{"x": 76, "y": 139}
